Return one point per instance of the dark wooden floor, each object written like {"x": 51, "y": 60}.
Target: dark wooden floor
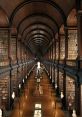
{"x": 44, "y": 95}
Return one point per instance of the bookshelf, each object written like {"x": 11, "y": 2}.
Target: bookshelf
{"x": 14, "y": 80}
{"x": 13, "y": 49}
{"x": 72, "y": 44}
{"x": 4, "y": 48}
{"x": 55, "y": 77}
{"x": 62, "y": 47}
{"x": 54, "y": 52}
{"x": 19, "y": 75}
{"x": 61, "y": 81}
{"x": 70, "y": 92}
{"x": 4, "y": 89}
{"x": 52, "y": 74}
{"x": 57, "y": 50}
{"x": 22, "y": 53}
{"x": 18, "y": 51}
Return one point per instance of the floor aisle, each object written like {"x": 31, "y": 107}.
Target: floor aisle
{"x": 34, "y": 94}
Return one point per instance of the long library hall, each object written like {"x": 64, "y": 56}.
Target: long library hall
{"x": 41, "y": 58}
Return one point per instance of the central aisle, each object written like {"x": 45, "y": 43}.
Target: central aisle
{"x": 38, "y": 99}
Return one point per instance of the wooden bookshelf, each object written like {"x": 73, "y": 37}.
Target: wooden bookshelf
{"x": 4, "y": 48}
{"x": 19, "y": 51}
{"x": 4, "y": 89}
{"x": 72, "y": 44}
{"x": 70, "y": 92}
{"x": 19, "y": 75}
{"x": 61, "y": 81}
{"x": 62, "y": 47}
{"x": 13, "y": 49}
{"x": 57, "y": 50}
{"x": 55, "y": 76}
{"x": 54, "y": 52}
{"x": 14, "y": 80}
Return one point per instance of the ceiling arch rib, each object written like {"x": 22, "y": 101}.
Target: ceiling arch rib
{"x": 38, "y": 31}
{"x": 35, "y": 32}
{"x": 38, "y": 44}
{"x": 43, "y": 40}
{"x": 35, "y": 16}
{"x": 4, "y": 21}
{"x": 52, "y": 3}
{"x": 37, "y": 35}
{"x": 55, "y": 28}
{"x": 23, "y": 13}
{"x": 36, "y": 25}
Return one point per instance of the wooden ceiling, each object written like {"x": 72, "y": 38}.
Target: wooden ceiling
{"x": 37, "y": 21}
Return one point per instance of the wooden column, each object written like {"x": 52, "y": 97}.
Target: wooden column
{"x": 50, "y": 64}
{"x": 81, "y": 100}
{"x": 54, "y": 51}
{"x": 54, "y": 62}
{"x": 79, "y": 39}
{"x": 57, "y": 80}
{"x": 77, "y": 96}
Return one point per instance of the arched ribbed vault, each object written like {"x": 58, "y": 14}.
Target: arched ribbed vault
{"x": 37, "y": 21}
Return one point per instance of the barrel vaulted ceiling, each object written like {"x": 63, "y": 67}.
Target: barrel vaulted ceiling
{"x": 37, "y": 21}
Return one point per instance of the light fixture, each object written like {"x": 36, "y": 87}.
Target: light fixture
{"x": 13, "y": 95}
{"x": 0, "y": 112}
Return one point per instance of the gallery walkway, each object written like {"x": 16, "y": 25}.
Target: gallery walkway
{"x": 38, "y": 100}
